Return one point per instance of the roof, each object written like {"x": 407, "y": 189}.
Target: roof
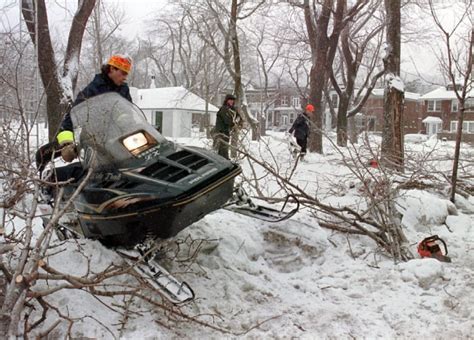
{"x": 408, "y": 95}
{"x": 286, "y": 108}
{"x": 439, "y": 93}
{"x": 176, "y": 98}
{"x": 431, "y": 119}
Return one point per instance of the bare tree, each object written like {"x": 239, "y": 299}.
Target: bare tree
{"x": 355, "y": 44}
{"x": 269, "y": 52}
{"x": 392, "y": 137}
{"x": 54, "y": 78}
{"x": 218, "y": 27}
{"x": 457, "y": 64}
{"x": 105, "y": 22}
{"x": 324, "y": 23}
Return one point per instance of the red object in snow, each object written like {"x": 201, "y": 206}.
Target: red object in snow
{"x": 373, "y": 164}
{"x": 430, "y": 248}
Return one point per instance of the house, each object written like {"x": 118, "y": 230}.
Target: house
{"x": 370, "y": 117}
{"x": 278, "y": 105}
{"x": 440, "y": 113}
{"x": 173, "y": 110}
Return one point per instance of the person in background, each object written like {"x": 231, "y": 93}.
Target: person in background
{"x": 226, "y": 119}
{"x": 112, "y": 78}
{"x": 301, "y": 128}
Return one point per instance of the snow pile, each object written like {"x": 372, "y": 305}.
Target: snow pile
{"x": 415, "y": 138}
{"x": 421, "y": 209}
{"x": 425, "y": 272}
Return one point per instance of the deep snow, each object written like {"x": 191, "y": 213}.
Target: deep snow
{"x": 304, "y": 280}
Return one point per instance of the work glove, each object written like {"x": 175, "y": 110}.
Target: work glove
{"x": 68, "y": 152}
{"x": 66, "y": 145}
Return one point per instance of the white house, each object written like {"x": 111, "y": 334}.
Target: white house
{"x": 172, "y": 110}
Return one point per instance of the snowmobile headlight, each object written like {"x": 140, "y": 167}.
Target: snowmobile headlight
{"x": 138, "y": 142}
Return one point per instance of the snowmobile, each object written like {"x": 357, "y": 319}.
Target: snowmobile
{"x": 137, "y": 185}
{"x": 141, "y": 184}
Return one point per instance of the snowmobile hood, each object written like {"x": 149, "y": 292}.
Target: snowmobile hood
{"x": 134, "y": 166}
{"x": 115, "y": 130}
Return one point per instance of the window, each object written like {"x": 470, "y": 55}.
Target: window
{"x": 284, "y": 101}
{"x": 469, "y": 104}
{"x": 467, "y": 126}
{"x": 434, "y": 105}
{"x": 295, "y": 102}
{"x": 454, "y": 105}
{"x": 292, "y": 117}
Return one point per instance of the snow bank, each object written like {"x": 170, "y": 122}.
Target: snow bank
{"x": 421, "y": 209}
{"x": 415, "y": 138}
{"x": 425, "y": 272}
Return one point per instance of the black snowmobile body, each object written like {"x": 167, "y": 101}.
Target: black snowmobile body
{"x": 141, "y": 184}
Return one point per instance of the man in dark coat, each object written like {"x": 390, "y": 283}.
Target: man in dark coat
{"x": 227, "y": 117}
{"x": 112, "y": 78}
{"x": 301, "y": 128}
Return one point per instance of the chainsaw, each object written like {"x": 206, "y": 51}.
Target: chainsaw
{"x": 429, "y": 247}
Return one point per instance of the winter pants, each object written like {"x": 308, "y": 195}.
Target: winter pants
{"x": 303, "y": 143}
{"x": 221, "y": 144}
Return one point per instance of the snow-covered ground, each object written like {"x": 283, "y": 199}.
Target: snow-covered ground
{"x": 295, "y": 279}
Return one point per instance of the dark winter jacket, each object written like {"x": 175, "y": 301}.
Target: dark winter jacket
{"x": 99, "y": 85}
{"x": 300, "y": 126}
{"x": 225, "y": 119}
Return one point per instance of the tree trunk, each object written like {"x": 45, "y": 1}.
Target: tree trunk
{"x": 317, "y": 80}
{"x": 58, "y": 95}
{"x": 392, "y": 138}
{"x": 238, "y": 87}
{"x": 342, "y": 120}
{"x": 351, "y": 127}
{"x": 457, "y": 149}
{"x": 392, "y": 135}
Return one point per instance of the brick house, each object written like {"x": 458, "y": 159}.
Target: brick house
{"x": 370, "y": 117}
{"x": 433, "y": 113}
{"x": 442, "y": 103}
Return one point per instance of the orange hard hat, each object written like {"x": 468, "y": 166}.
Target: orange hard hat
{"x": 121, "y": 62}
{"x": 310, "y": 108}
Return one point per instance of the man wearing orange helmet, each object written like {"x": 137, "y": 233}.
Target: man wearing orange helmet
{"x": 301, "y": 128}
{"x": 112, "y": 78}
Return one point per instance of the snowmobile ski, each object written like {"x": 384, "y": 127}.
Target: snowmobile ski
{"x": 175, "y": 291}
{"x": 141, "y": 259}
{"x": 241, "y": 203}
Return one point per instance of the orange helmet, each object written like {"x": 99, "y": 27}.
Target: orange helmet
{"x": 121, "y": 62}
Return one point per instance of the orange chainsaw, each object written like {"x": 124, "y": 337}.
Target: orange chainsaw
{"x": 429, "y": 247}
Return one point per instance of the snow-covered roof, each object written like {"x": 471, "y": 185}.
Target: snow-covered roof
{"x": 178, "y": 98}
{"x": 408, "y": 95}
{"x": 431, "y": 119}
{"x": 285, "y": 108}
{"x": 439, "y": 93}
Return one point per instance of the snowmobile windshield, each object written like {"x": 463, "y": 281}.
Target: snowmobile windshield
{"x": 115, "y": 129}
